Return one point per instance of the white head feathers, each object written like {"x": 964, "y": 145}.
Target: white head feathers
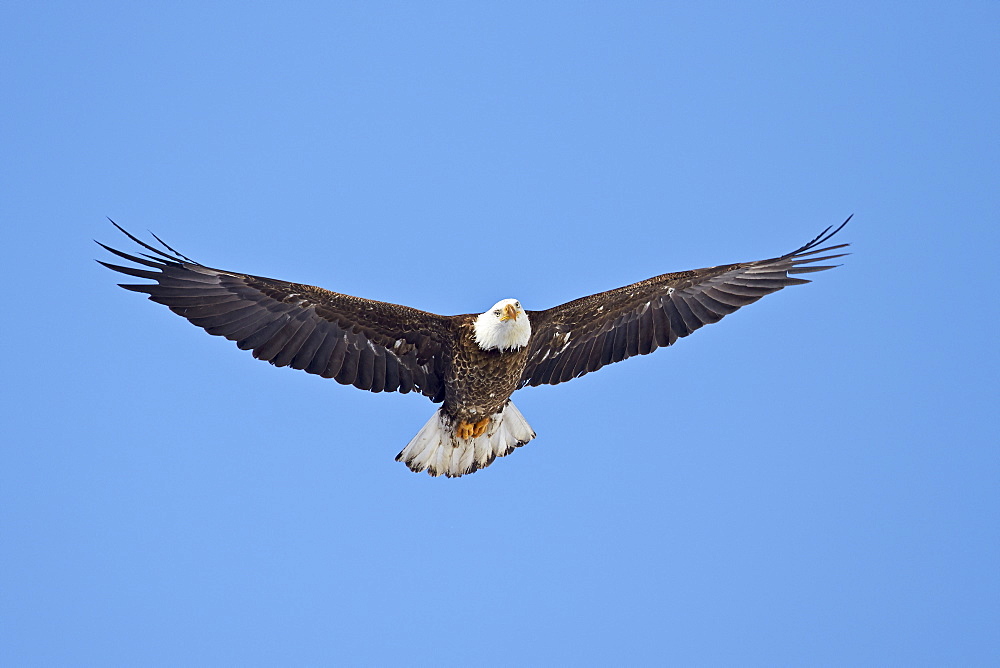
{"x": 504, "y": 327}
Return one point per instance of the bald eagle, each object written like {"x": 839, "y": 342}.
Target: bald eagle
{"x": 471, "y": 363}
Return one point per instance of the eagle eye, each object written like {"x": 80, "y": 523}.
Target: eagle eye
{"x": 496, "y": 312}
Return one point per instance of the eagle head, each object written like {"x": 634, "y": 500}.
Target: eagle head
{"x": 504, "y": 326}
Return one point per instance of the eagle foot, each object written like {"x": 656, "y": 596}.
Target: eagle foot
{"x": 470, "y": 430}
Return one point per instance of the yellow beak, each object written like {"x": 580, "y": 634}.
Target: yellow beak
{"x": 509, "y": 311}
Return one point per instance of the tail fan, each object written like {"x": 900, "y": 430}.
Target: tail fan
{"x": 438, "y": 451}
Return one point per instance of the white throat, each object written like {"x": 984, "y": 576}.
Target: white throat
{"x": 495, "y": 330}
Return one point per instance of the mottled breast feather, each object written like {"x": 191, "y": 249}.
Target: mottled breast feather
{"x": 581, "y": 336}
{"x": 480, "y": 381}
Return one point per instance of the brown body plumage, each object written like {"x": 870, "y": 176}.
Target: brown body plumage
{"x": 479, "y": 382}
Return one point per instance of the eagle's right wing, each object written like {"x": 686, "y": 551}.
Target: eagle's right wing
{"x": 585, "y": 334}
{"x": 372, "y": 345}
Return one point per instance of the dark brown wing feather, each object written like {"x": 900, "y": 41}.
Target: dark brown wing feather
{"x": 372, "y": 345}
{"x": 583, "y": 335}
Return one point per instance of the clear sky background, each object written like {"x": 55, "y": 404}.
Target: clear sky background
{"x": 812, "y": 481}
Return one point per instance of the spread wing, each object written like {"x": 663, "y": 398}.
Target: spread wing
{"x": 372, "y": 345}
{"x": 584, "y": 335}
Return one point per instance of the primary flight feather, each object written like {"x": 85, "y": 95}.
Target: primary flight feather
{"x": 470, "y": 363}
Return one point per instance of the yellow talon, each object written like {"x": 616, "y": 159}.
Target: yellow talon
{"x": 464, "y": 430}
{"x": 470, "y": 430}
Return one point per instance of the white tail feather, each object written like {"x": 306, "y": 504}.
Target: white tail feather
{"x": 437, "y": 450}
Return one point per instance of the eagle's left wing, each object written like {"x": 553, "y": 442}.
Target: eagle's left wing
{"x": 583, "y": 335}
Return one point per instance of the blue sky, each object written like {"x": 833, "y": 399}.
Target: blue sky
{"x": 812, "y": 481}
